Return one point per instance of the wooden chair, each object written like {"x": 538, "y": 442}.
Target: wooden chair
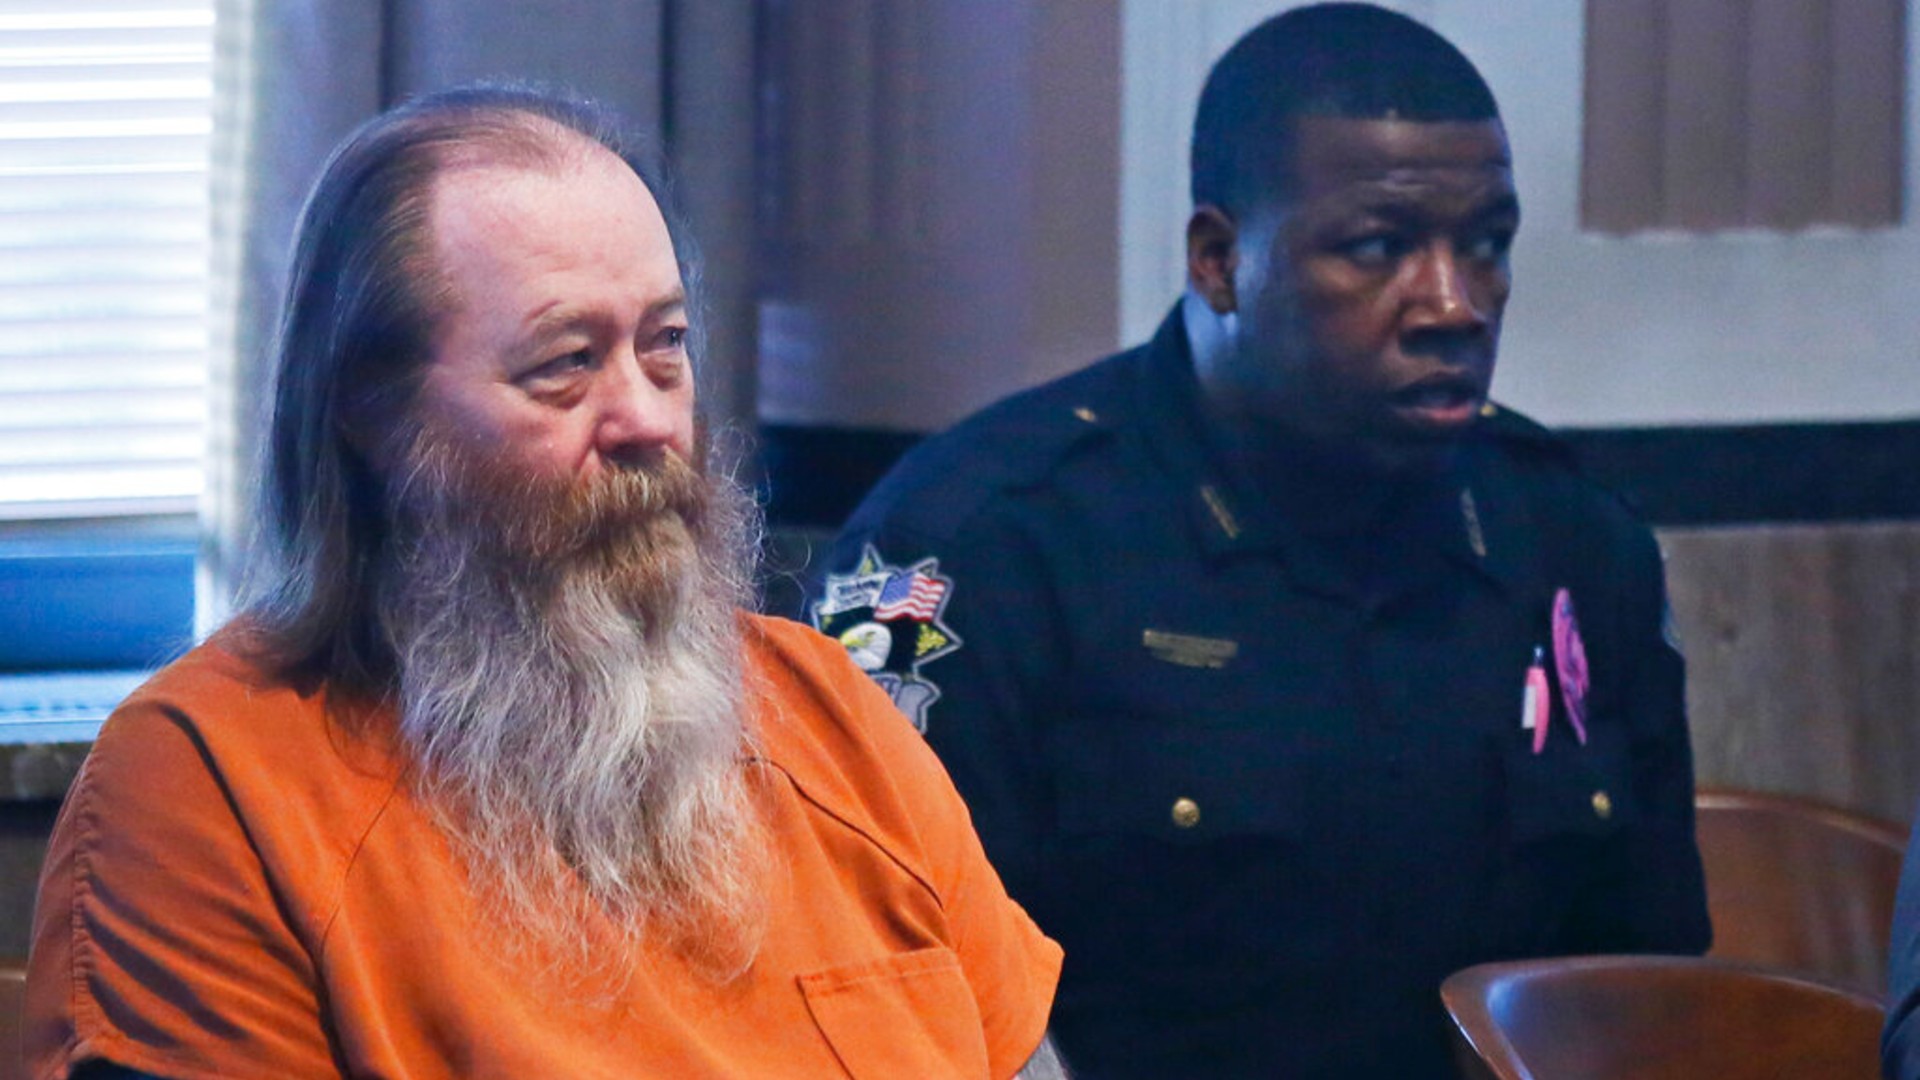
{"x": 1656, "y": 1018}
{"x": 1800, "y": 885}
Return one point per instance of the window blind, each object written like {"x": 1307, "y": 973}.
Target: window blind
{"x": 105, "y": 125}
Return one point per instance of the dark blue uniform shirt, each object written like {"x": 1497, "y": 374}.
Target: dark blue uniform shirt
{"x": 1259, "y": 769}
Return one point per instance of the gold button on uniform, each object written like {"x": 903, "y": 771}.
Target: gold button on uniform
{"x": 1186, "y": 813}
{"x": 1602, "y": 805}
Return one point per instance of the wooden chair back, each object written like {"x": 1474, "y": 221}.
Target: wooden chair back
{"x": 1800, "y": 885}
{"x": 1656, "y": 1018}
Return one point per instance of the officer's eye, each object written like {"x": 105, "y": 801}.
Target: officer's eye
{"x": 1490, "y": 246}
{"x": 1372, "y": 249}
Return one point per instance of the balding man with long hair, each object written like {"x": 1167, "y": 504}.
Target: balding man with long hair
{"x": 494, "y": 777}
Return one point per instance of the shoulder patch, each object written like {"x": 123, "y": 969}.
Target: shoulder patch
{"x": 889, "y": 619}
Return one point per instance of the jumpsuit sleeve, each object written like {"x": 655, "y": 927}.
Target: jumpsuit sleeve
{"x": 159, "y": 944}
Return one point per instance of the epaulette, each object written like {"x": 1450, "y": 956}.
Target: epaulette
{"x": 1035, "y": 432}
{"x": 1520, "y": 431}
{"x": 1499, "y": 422}
{"x": 1016, "y": 443}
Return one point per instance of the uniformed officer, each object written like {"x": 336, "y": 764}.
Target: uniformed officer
{"x": 1283, "y": 672}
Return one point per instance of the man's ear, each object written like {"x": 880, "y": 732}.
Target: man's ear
{"x": 1213, "y": 253}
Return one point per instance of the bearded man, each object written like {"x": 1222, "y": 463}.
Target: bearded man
{"x": 494, "y": 777}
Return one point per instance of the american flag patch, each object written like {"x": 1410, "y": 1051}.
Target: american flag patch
{"x": 911, "y": 593}
{"x": 888, "y": 618}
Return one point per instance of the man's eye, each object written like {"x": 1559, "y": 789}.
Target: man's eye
{"x": 673, "y": 337}
{"x": 1490, "y": 246}
{"x": 560, "y": 366}
{"x": 1374, "y": 249}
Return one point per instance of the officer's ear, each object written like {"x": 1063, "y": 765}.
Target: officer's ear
{"x": 1213, "y": 252}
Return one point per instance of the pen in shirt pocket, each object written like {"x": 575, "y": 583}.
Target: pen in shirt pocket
{"x": 1536, "y": 701}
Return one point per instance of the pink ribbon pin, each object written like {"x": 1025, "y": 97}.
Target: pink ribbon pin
{"x": 1570, "y": 663}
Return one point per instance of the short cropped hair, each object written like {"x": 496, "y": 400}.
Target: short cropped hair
{"x": 1354, "y": 61}
{"x": 355, "y": 336}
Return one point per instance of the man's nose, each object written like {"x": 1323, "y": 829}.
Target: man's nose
{"x": 636, "y": 416}
{"x": 1444, "y": 292}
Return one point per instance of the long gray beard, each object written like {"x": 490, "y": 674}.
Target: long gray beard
{"x": 571, "y": 690}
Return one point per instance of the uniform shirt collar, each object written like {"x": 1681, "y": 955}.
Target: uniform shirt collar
{"x": 1475, "y": 515}
{"x": 1176, "y": 431}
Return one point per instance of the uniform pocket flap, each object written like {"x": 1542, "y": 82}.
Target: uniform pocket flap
{"x": 906, "y": 1015}
{"x": 1583, "y": 791}
{"x": 1185, "y": 784}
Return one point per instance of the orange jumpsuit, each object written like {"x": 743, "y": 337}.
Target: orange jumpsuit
{"x": 241, "y": 886}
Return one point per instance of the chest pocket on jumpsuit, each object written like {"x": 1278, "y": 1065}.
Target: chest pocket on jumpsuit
{"x": 906, "y": 1015}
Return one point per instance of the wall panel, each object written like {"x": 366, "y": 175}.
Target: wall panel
{"x": 1803, "y": 650}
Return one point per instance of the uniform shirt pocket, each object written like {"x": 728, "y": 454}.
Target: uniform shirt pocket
{"x": 1569, "y": 790}
{"x": 909, "y": 1014}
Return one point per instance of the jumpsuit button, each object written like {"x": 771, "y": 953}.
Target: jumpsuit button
{"x": 1186, "y": 813}
{"x": 1085, "y": 414}
{"x": 1602, "y": 805}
